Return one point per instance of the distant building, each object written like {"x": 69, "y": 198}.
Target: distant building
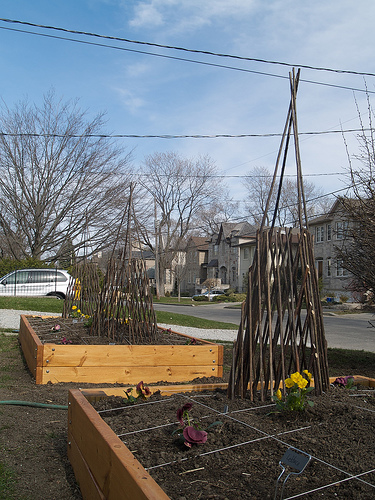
{"x": 230, "y": 254}
{"x": 196, "y": 264}
{"x": 330, "y": 231}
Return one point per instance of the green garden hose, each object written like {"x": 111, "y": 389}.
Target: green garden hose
{"x": 36, "y": 405}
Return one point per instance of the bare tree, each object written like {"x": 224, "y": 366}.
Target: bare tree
{"x": 358, "y": 207}
{"x": 179, "y": 188}
{"x": 222, "y": 209}
{"x": 59, "y": 180}
{"x": 258, "y": 184}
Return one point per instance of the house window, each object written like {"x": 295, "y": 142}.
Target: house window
{"x": 246, "y": 253}
{"x": 329, "y": 267}
{"x": 319, "y": 234}
{"x": 341, "y": 229}
{"x": 329, "y": 232}
{"x": 319, "y": 268}
{"x": 340, "y": 271}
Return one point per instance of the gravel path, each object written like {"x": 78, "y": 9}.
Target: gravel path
{"x": 10, "y": 318}
{"x": 202, "y": 333}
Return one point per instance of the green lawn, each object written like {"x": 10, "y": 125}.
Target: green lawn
{"x": 42, "y": 304}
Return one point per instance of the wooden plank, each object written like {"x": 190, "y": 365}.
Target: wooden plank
{"x": 131, "y": 355}
{"x": 186, "y": 336}
{"x": 118, "y": 474}
{"x": 29, "y": 344}
{"x": 127, "y": 375}
{"x": 165, "y": 390}
{"x": 87, "y": 484}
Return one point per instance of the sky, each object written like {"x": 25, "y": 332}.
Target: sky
{"x": 189, "y": 93}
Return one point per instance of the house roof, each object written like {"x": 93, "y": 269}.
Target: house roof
{"x": 336, "y": 207}
{"x": 213, "y": 263}
{"x": 199, "y": 242}
{"x": 232, "y": 229}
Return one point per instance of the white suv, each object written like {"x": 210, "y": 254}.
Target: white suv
{"x": 35, "y": 282}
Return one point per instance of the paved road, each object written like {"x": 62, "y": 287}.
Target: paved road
{"x": 349, "y": 331}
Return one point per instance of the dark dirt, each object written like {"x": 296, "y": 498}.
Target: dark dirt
{"x": 74, "y": 331}
{"x": 240, "y": 458}
{"x": 33, "y": 443}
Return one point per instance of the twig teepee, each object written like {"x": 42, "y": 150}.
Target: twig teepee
{"x": 281, "y": 328}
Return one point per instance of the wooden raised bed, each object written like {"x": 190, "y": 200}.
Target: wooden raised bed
{"x": 122, "y": 364}
{"x": 103, "y": 465}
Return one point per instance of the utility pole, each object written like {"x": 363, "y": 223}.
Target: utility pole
{"x": 156, "y": 252}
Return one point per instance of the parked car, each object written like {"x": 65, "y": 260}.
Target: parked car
{"x": 35, "y": 283}
{"x": 209, "y": 294}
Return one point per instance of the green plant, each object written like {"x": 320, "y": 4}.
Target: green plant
{"x": 232, "y": 297}
{"x": 200, "y": 298}
{"x": 7, "y": 264}
{"x": 344, "y": 298}
{"x": 296, "y": 396}
{"x": 7, "y": 482}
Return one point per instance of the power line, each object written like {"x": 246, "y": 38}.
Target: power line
{"x": 243, "y": 176}
{"x": 176, "y": 136}
{"x": 183, "y": 59}
{"x": 193, "y": 51}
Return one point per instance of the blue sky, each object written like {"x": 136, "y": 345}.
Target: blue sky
{"x": 148, "y": 95}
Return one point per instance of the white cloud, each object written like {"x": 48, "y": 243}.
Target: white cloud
{"x": 146, "y": 14}
{"x": 131, "y": 102}
{"x": 187, "y": 15}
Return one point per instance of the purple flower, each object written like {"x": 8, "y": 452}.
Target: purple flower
{"x": 194, "y": 436}
{"x": 141, "y": 390}
{"x": 181, "y": 411}
{"x": 343, "y": 381}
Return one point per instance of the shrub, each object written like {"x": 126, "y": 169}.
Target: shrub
{"x": 201, "y": 298}
{"x": 7, "y": 264}
{"x": 233, "y": 297}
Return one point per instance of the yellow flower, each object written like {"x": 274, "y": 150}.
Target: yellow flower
{"x": 87, "y": 316}
{"x": 308, "y": 374}
{"x": 74, "y": 308}
{"x": 302, "y": 383}
{"x": 79, "y": 311}
{"x": 296, "y": 378}
{"x": 289, "y": 383}
{"x": 278, "y": 394}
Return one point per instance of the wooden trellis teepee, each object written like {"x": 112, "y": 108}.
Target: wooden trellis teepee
{"x": 281, "y": 328}
{"x": 121, "y": 309}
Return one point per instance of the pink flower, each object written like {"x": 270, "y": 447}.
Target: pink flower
{"x": 64, "y": 340}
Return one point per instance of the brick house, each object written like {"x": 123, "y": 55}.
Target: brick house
{"x": 230, "y": 254}
{"x": 196, "y": 260}
{"x": 329, "y": 232}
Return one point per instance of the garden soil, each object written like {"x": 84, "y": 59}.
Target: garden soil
{"x": 338, "y": 431}
{"x": 240, "y": 458}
